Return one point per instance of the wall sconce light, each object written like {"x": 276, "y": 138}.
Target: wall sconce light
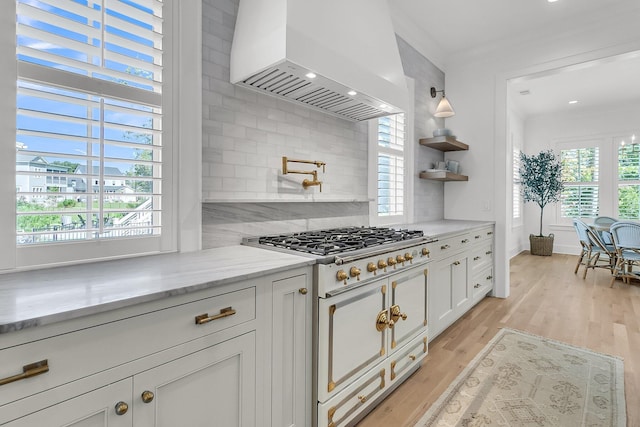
{"x": 444, "y": 109}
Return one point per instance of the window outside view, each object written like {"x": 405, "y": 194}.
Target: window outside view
{"x": 89, "y": 119}
{"x": 581, "y": 170}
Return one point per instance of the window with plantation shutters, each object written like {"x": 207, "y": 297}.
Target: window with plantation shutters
{"x": 390, "y": 165}
{"x": 516, "y": 189}
{"x": 628, "y": 175}
{"x": 89, "y": 145}
{"x": 580, "y": 175}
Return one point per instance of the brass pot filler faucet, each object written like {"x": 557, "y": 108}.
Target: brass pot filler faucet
{"x": 306, "y": 183}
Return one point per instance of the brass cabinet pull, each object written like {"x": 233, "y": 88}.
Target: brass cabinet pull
{"x": 464, "y": 241}
{"x": 303, "y": 291}
{"x": 412, "y": 357}
{"x": 205, "y": 318}
{"x": 443, "y": 247}
{"x": 28, "y": 371}
{"x": 362, "y": 399}
{"x": 456, "y": 262}
{"x": 489, "y": 277}
{"x": 121, "y": 408}
{"x": 488, "y": 253}
{"x": 147, "y": 396}
{"x": 475, "y": 258}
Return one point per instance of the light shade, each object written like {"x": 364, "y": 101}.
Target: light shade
{"x": 444, "y": 109}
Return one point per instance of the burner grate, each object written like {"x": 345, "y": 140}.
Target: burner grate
{"x": 338, "y": 240}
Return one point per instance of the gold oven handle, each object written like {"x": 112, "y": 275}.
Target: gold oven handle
{"x": 396, "y": 314}
{"x": 205, "y": 318}
{"x": 28, "y": 371}
{"x": 383, "y": 322}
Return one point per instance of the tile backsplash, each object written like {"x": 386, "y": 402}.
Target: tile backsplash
{"x": 246, "y": 134}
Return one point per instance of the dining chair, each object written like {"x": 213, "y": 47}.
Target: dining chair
{"x": 605, "y": 221}
{"x": 592, "y": 249}
{"x": 626, "y": 238}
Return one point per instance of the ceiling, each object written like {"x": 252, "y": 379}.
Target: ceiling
{"x": 459, "y": 26}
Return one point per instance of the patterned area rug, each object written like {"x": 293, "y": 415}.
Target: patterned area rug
{"x": 524, "y": 380}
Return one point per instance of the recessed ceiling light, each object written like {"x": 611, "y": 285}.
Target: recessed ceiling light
{"x": 383, "y": 105}
{"x": 575, "y": 101}
{"x": 552, "y": 1}
{"x": 352, "y": 93}
{"x": 311, "y": 75}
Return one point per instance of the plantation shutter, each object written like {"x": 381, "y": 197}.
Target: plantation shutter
{"x": 580, "y": 175}
{"x": 391, "y": 140}
{"x": 89, "y": 119}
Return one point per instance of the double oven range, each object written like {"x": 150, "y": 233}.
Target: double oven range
{"x": 370, "y": 313}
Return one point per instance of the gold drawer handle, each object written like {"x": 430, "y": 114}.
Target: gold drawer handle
{"x": 464, "y": 241}
{"x": 456, "y": 262}
{"x": 205, "y": 318}
{"x": 303, "y": 291}
{"x": 28, "y": 371}
{"x": 443, "y": 247}
{"x": 412, "y": 357}
{"x": 476, "y": 258}
{"x": 362, "y": 398}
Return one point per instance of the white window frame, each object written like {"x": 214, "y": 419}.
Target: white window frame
{"x": 409, "y": 167}
{"x": 182, "y": 139}
{"x": 608, "y": 169}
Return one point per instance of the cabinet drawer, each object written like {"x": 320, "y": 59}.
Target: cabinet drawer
{"x": 481, "y": 257}
{"x": 482, "y": 282}
{"x": 347, "y": 404}
{"x": 409, "y": 356}
{"x": 451, "y": 244}
{"x": 87, "y": 351}
{"x": 482, "y": 234}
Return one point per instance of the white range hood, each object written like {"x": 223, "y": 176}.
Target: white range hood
{"x": 349, "y": 45}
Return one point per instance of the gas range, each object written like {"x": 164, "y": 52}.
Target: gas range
{"x": 350, "y": 257}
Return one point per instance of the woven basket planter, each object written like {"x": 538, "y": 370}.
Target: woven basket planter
{"x": 541, "y": 245}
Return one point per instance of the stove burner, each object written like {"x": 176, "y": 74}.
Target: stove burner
{"x": 338, "y": 240}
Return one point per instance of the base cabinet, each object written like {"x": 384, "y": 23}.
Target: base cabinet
{"x": 461, "y": 276}
{"x": 216, "y": 383}
{"x": 96, "y": 408}
{"x": 449, "y": 293}
{"x": 291, "y": 353}
{"x": 237, "y": 355}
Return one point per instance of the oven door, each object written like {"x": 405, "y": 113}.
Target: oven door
{"x": 349, "y": 342}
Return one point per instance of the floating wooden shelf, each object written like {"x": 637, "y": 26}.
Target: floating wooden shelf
{"x": 444, "y": 143}
{"x": 443, "y": 176}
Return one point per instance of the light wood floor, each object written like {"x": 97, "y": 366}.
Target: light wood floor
{"x": 546, "y": 299}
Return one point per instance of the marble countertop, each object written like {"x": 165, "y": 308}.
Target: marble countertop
{"x": 443, "y": 227}
{"x": 40, "y": 297}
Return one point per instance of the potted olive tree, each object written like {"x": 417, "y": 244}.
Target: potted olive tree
{"x": 541, "y": 182}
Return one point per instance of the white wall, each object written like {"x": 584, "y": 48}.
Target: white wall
{"x": 476, "y": 85}
{"x": 546, "y": 131}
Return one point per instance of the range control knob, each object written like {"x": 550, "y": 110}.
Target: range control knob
{"x": 425, "y": 252}
{"x": 392, "y": 262}
{"x": 371, "y": 268}
{"x": 382, "y": 264}
{"x": 400, "y": 259}
{"x": 341, "y": 275}
{"x": 355, "y": 272}
{"x": 408, "y": 257}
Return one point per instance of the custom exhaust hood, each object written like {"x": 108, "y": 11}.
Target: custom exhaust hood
{"x": 337, "y": 56}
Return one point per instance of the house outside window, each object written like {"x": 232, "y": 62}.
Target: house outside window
{"x": 580, "y": 175}
{"x": 95, "y": 83}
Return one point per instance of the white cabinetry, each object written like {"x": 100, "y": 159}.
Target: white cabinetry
{"x": 462, "y": 276}
{"x": 182, "y": 360}
{"x": 291, "y": 353}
